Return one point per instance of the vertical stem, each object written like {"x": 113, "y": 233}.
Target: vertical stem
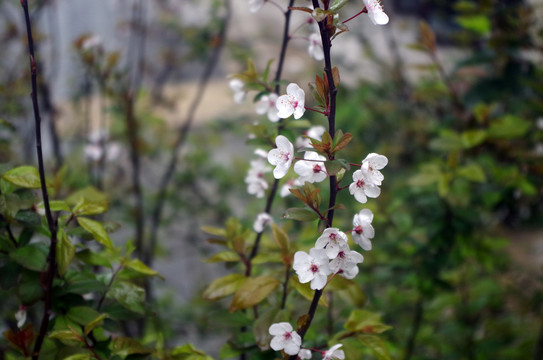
{"x": 417, "y": 320}
{"x": 326, "y": 45}
{"x": 52, "y": 225}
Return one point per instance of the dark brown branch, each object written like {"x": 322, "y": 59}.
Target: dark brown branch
{"x": 326, "y": 45}
{"x": 52, "y": 225}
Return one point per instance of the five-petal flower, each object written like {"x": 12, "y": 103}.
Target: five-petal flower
{"x": 291, "y": 103}
{"x": 345, "y": 263}
{"x": 331, "y": 240}
{"x": 375, "y": 12}
{"x": 284, "y": 338}
{"x": 362, "y": 229}
{"x": 362, "y": 187}
{"x": 281, "y": 156}
{"x": 266, "y": 105}
{"x": 372, "y": 164}
{"x": 312, "y": 267}
{"x": 313, "y": 170}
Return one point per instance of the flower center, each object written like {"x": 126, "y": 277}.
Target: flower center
{"x": 333, "y": 236}
{"x": 317, "y": 169}
{"x": 358, "y": 230}
{"x": 287, "y": 335}
{"x": 341, "y": 254}
{"x": 314, "y": 268}
{"x": 360, "y": 183}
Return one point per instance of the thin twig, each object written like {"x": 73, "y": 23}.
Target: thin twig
{"x": 51, "y": 223}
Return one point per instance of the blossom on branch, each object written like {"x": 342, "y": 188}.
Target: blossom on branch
{"x": 304, "y": 354}
{"x": 256, "y": 5}
{"x": 363, "y": 231}
{"x": 262, "y": 221}
{"x": 312, "y": 267}
{"x": 311, "y": 171}
{"x": 266, "y": 105}
{"x": 362, "y": 187}
{"x": 237, "y": 86}
{"x": 334, "y": 354}
{"x": 331, "y": 240}
{"x": 375, "y": 12}
{"x": 285, "y": 189}
{"x": 284, "y": 338}
{"x": 345, "y": 263}
{"x": 291, "y": 103}
{"x": 256, "y": 183}
{"x": 281, "y": 156}
{"x": 372, "y": 164}
{"x": 314, "y": 132}
{"x": 315, "y": 47}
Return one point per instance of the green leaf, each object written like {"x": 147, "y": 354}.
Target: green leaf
{"x": 226, "y": 256}
{"x": 508, "y": 127}
{"x": 306, "y": 291}
{"x": 472, "y": 172}
{"x": 79, "y": 357}
{"x": 65, "y": 335}
{"x": 189, "y": 352}
{"x": 333, "y": 167}
{"x": 365, "y": 321}
{"x": 33, "y": 257}
{"x": 88, "y": 201}
{"x": 30, "y": 290}
{"x": 337, "y": 4}
{"x": 65, "y": 252}
{"x": 281, "y": 238}
{"x": 82, "y": 315}
{"x": 129, "y": 295}
{"x": 473, "y": 138}
{"x": 94, "y": 323}
{"x": 224, "y": 286}
{"x": 138, "y": 266}
{"x": 447, "y": 141}
{"x": 214, "y": 231}
{"x": 23, "y": 176}
{"x": 479, "y": 24}
{"x": 97, "y": 231}
{"x": 91, "y": 258}
{"x": 377, "y": 346}
{"x": 56, "y": 205}
{"x": 252, "y": 292}
{"x": 124, "y": 346}
{"x": 300, "y": 214}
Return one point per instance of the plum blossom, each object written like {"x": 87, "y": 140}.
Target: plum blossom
{"x": 331, "y": 240}
{"x": 284, "y": 338}
{"x": 262, "y": 221}
{"x": 237, "y": 86}
{"x": 91, "y": 42}
{"x": 256, "y": 5}
{"x": 291, "y": 103}
{"x": 256, "y": 183}
{"x": 375, "y": 12}
{"x": 281, "y": 157}
{"x": 20, "y": 316}
{"x": 334, "y": 354}
{"x": 362, "y": 229}
{"x": 311, "y": 171}
{"x": 372, "y": 164}
{"x": 315, "y": 47}
{"x": 345, "y": 263}
{"x": 314, "y": 132}
{"x": 304, "y": 354}
{"x": 312, "y": 267}
{"x": 284, "y": 192}
{"x": 266, "y": 105}
{"x": 362, "y": 187}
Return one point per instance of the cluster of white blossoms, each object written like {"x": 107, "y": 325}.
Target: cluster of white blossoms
{"x": 255, "y": 180}
{"x": 288, "y": 340}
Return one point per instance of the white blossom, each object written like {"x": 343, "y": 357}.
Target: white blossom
{"x": 362, "y": 187}
{"x": 291, "y": 103}
{"x": 375, "y": 12}
{"x": 256, "y": 5}
{"x": 345, "y": 263}
{"x": 304, "y": 354}
{"x": 372, "y": 164}
{"x": 20, "y": 316}
{"x": 256, "y": 183}
{"x": 315, "y": 47}
{"x": 91, "y": 42}
{"x": 314, "y": 132}
{"x": 281, "y": 157}
{"x": 266, "y": 105}
{"x": 284, "y": 338}
{"x": 284, "y": 192}
{"x": 312, "y": 267}
{"x": 331, "y": 240}
{"x": 262, "y": 221}
{"x": 237, "y": 86}
{"x": 311, "y": 171}
{"x": 363, "y": 231}
{"x": 334, "y": 354}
